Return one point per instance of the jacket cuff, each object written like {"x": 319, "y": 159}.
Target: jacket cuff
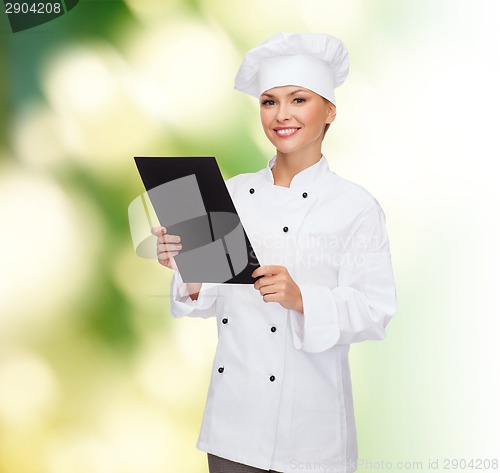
{"x": 317, "y": 329}
{"x": 181, "y": 303}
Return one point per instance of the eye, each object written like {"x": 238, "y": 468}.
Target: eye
{"x": 299, "y": 100}
{"x": 267, "y": 102}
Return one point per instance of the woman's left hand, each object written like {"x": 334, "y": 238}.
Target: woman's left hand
{"x": 276, "y": 285}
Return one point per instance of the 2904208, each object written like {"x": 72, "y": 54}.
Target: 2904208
{"x": 38, "y": 8}
{"x": 470, "y": 464}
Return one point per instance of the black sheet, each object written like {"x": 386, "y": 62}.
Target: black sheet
{"x": 190, "y": 199}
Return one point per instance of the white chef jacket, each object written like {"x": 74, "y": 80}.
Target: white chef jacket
{"x": 280, "y": 393}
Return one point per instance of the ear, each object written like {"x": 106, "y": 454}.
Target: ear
{"x": 331, "y": 112}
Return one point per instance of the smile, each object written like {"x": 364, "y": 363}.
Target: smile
{"x": 286, "y": 131}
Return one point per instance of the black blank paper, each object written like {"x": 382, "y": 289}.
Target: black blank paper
{"x": 190, "y": 199}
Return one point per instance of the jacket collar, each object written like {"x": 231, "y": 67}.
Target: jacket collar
{"x": 304, "y": 178}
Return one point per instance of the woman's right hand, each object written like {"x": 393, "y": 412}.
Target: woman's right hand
{"x": 167, "y": 246}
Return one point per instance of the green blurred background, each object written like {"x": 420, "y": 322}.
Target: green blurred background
{"x": 95, "y": 375}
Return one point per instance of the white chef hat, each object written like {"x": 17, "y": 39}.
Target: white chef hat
{"x": 318, "y": 62}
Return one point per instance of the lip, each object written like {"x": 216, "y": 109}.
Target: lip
{"x": 282, "y": 134}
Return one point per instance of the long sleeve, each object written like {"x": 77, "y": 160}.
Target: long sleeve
{"x": 182, "y": 305}
{"x": 364, "y": 301}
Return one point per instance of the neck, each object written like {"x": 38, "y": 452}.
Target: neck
{"x": 287, "y": 165}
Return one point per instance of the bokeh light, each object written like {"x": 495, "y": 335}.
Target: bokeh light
{"x": 178, "y": 65}
{"x": 90, "y": 87}
{"x": 28, "y": 389}
{"x": 46, "y": 257}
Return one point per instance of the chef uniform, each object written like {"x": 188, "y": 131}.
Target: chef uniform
{"x": 280, "y": 393}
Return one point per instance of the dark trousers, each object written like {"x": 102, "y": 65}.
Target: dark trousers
{"x": 222, "y": 465}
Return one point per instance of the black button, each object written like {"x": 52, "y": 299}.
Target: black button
{"x": 304, "y": 195}
{"x": 273, "y": 329}
{"x": 252, "y": 190}
{"x": 224, "y": 321}
{"x": 221, "y": 369}
{"x": 285, "y": 229}
{"x": 272, "y": 378}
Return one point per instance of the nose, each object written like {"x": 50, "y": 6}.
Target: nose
{"x": 283, "y": 114}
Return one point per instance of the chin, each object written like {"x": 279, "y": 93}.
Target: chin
{"x": 288, "y": 150}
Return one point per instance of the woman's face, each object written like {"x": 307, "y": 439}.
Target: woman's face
{"x": 294, "y": 118}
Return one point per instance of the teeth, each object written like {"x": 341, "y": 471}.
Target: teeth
{"x": 286, "y": 131}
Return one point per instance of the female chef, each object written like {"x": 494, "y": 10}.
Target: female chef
{"x": 280, "y": 393}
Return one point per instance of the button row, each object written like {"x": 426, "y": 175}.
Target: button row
{"x": 252, "y": 190}
{"x": 271, "y": 378}
{"x": 221, "y": 368}
{"x": 285, "y": 229}
{"x": 225, "y": 321}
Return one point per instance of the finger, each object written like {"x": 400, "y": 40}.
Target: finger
{"x": 168, "y": 239}
{"x": 266, "y": 280}
{"x": 166, "y": 247}
{"x": 158, "y": 231}
{"x": 260, "y": 282}
{"x": 172, "y": 238}
{"x": 161, "y": 233}
{"x": 161, "y": 247}
{"x": 268, "y": 288}
{"x": 166, "y": 256}
{"x": 165, "y": 238}
{"x": 268, "y": 269}
{"x": 274, "y": 297}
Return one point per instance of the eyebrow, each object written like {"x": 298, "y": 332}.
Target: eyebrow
{"x": 293, "y": 92}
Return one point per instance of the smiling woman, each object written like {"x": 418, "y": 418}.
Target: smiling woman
{"x": 295, "y": 121}
{"x": 280, "y": 392}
